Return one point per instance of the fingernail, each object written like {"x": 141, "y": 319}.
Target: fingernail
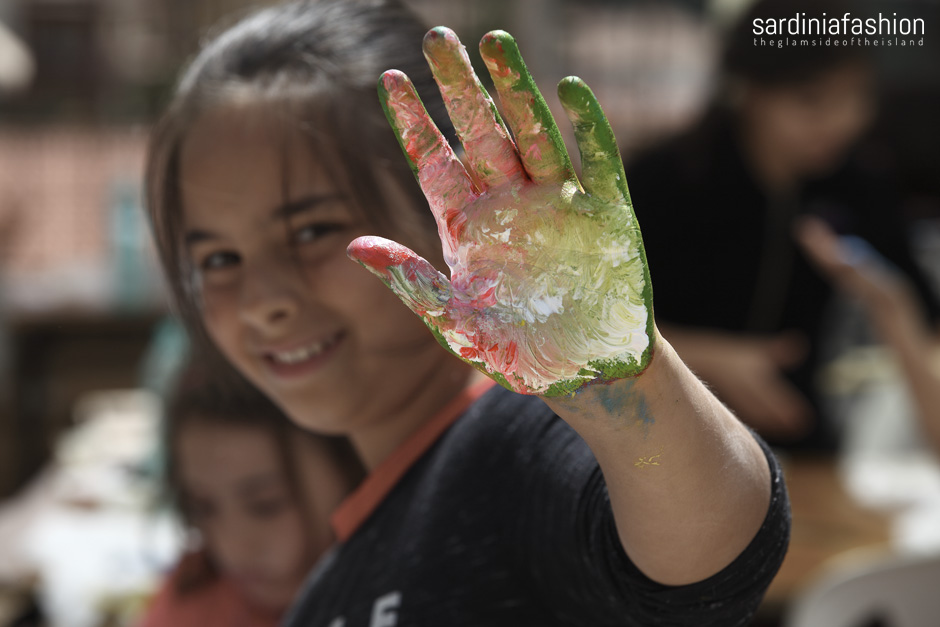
{"x": 493, "y": 42}
{"x": 438, "y": 37}
{"x": 394, "y": 80}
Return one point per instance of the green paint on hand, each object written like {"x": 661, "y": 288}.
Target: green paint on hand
{"x": 549, "y": 288}
{"x": 541, "y": 146}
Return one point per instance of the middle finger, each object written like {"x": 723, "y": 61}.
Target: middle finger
{"x": 490, "y": 150}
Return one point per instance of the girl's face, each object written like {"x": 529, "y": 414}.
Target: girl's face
{"x": 235, "y": 488}
{"x": 268, "y": 231}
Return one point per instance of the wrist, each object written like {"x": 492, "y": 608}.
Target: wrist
{"x": 625, "y": 396}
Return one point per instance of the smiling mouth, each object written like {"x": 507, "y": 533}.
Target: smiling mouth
{"x": 304, "y": 353}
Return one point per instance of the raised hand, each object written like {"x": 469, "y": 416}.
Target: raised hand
{"x": 549, "y": 287}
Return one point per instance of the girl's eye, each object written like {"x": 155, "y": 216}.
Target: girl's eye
{"x": 313, "y": 232}
{"x": 218, "y": 261}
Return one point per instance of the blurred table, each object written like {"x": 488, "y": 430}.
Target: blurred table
{"x": 827, "y": 523}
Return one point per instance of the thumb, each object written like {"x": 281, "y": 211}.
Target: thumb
{"x": 415, "y": 281}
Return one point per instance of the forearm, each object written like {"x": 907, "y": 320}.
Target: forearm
{"x": 688, "y": 483}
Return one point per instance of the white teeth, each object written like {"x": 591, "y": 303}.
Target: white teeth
{"x": 298, "y": 355}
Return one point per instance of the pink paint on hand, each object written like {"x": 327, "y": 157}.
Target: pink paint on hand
{"x": 549, "y": 289}
{"x": 534, "y": 153}
{"x": 378, "y": 253}
{"x": 394, "y": 80}
{"x": 420, "y": 286}
{"x": 488, "y": 144}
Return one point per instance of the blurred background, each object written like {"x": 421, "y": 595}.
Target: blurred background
{"x": 82, "y": 338}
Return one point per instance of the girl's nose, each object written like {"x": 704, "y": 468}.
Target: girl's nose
{"x": 269, "y": 300}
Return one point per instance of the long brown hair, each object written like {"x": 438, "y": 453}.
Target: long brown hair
{"x": 314, "y": 63}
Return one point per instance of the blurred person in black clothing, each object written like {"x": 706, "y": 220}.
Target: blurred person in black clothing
{"x": 738, "y": 298}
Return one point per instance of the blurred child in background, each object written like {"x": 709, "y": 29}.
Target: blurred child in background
{"x": 256, "y": 492}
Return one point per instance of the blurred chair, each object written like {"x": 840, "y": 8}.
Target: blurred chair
{"x": 895, "y": 591}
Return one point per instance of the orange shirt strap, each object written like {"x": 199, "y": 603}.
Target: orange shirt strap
{"x": 359, "y": 505}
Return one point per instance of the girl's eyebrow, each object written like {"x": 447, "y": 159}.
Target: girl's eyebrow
{"x": 282, "y": 212}
{"x": 195, "y": 236}
{"x": 302, "y": 204}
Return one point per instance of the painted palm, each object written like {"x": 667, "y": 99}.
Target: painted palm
{"x": 549, "y": 287}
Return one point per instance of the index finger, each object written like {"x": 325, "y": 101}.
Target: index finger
{"x": 442, "y": 177}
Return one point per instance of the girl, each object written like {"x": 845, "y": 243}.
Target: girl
{"x": 618, "y": 491}
{"x": 257, "y": 492}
